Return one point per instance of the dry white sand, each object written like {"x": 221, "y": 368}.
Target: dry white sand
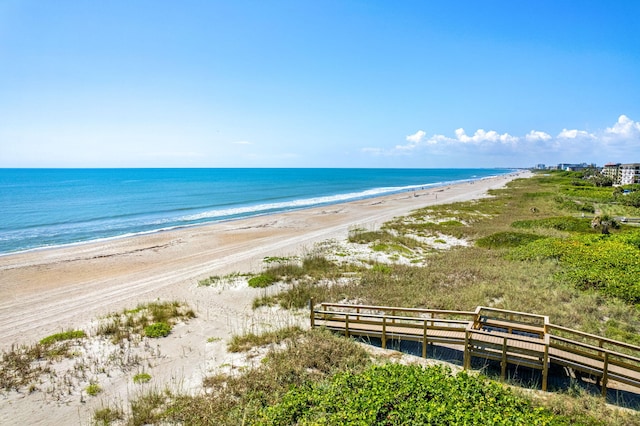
{"x": 48, "y": 291}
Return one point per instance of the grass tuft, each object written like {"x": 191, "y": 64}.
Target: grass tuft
{"x": 141, "y": 378}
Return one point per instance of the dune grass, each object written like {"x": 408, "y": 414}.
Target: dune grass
{"x": 153, "y": 319}
{"x": 45, "y": 367}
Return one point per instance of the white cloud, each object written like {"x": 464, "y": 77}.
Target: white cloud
{"x": 535, "y": 135}
{"x": 620, "y": 142}
{"x": 575, "y": 134}
{"x": 417, "y": 137}
{"x": 624, "y": 128}
{"x": 481, "y": 136}
{"x": 242, "y": 143}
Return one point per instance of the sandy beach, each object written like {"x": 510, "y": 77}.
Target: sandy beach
{"x": 52, "y": 290}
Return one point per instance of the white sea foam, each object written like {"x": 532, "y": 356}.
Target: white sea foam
{"x": 295, "y": 204}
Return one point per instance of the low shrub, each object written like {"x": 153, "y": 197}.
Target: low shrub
{"x": 399, "y": 394}
{"x": 158, "y": 329}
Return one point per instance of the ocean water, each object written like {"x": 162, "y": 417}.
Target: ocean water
{"x": 53, "y": 207}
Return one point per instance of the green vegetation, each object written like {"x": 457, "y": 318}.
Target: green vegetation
{"x": 562, "y": 223}
{"x": 22, "y": 366}
{"x": 249, "y": 340}
{"x": 262, "y": 280}
{"x": 65, "y": 335}
{"x": 93, "y": 389}
{"x": 158, "y": 329}
{"x": 506, "y": 239}
{"x": 18, "y": 367}
{"x": 232, "y": 400}
{"x": 145, "y": 409}
{"x": 38, "y": 367}
{"x": 216, "y": 280}
{"x": 152, "y": 320}
{"x": 382, "y": 269}
{"x": 607, "y": 263}
{"x": 403, "y": 395}
{"x": 107, "y": 415}
{"x": 141, "y": 378}
{"x": 319, "y": 378}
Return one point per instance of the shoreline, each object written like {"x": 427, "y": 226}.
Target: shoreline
{"x": 53, "y": 290}
{"x": 258, "y": 213}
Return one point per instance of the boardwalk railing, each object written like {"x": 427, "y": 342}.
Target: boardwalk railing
{"x": 595, "y": 355}
{"x": 508, "y": 337}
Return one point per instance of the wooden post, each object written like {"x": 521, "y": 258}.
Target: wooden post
{"x": 467, "y": 356}
{"x": 384, "y": 332}
{"x": 503, "y": 372}
{"x": 600, "y": 345}
{"x": 605, "y": 374}
{"x": 312, "y": 315}
{"x": 545, "y": 365}
{"x": 346, "y": 325}
{"x": 424, "y": 340}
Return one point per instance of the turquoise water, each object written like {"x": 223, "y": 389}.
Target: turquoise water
{"x": 52, "y": 207}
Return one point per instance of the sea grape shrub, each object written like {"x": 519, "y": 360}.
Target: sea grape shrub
{"x": 607, "y": 263}
{"x": 394, "y": 394}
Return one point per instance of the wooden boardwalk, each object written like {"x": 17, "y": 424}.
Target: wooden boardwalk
{"x": 508, "y": 337}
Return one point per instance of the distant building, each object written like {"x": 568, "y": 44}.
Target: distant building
{"x": 629, "y": 173}
{"x": 574, "y": 167}
{"x": 612, "y": 171}
{"x": 540, "y": 166}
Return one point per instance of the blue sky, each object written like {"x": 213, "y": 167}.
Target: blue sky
{"x": 318, "y": 83}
